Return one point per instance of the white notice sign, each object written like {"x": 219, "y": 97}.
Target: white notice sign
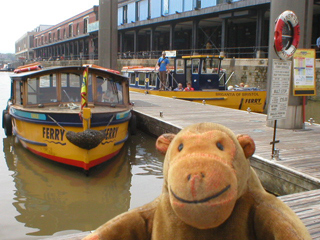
{"x": 280, "y": 84}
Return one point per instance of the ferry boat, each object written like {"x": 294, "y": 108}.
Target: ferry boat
{"x": 206, "y": 77}
{"x": 76, "y": 115}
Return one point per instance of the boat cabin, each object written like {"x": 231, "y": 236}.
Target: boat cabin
{"x": 61, "y": 86}
{"x": 204, "y": 72}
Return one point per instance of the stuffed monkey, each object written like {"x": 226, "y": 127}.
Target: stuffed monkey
{"x": 210, "y": 192}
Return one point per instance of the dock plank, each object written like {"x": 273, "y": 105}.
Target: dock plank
{"x": 307, "y": 206}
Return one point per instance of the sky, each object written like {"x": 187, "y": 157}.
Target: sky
{"x": 18, "y": 17}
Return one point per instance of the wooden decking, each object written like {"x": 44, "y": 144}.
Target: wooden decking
{"x": 307, "y": 206}
{"x": 299, "y": 149}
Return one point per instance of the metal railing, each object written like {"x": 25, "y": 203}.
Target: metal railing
{"x": 237, "y": 52}
{"x": 67, "y": 57}
{"x": 232, "y": 52}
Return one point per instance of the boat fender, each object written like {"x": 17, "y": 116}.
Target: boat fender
{"x": 3, "y": 119}
{"x": 87, "y": 139}
{"x": 133, "y": 125}
{"x": 7, "y": 124}
{"x": 286, "y": 18}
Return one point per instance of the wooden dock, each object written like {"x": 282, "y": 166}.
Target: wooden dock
{"x": 299, "y": 162}
{"x": 307, "y": 206}
{"x": 296, "y": 175}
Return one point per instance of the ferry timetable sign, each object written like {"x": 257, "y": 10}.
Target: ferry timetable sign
{"x": 304, "y": 83}
{"x": 279, "y": 96}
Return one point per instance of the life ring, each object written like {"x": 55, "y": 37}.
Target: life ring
{"x": 27, "y": 69}
{"x": 287, "y": 17}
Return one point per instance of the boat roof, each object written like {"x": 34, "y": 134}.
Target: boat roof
{"x": 203, "y": 56}
{"x": 92, "y": 68}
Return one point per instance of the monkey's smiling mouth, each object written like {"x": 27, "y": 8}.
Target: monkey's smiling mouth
{"x": 201, "y": 200}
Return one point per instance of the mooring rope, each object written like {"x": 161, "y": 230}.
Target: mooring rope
{"x": 57, "y": 122}
{"x": 109, "y": 122}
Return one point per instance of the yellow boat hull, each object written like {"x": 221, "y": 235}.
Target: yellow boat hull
{"x": 51, "y": 142}
{"x": 242, "y": 99}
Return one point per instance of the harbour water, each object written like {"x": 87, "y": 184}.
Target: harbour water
{"x": 40, "y": 198}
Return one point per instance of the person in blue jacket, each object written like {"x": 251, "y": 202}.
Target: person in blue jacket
{"x": 163, "y": 63}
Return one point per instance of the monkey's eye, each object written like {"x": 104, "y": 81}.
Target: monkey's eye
{"x": 180, "y": 147}
{"x": 220, "y": 146}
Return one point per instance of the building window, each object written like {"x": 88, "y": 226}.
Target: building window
{"x": 53, "y": 37}
{"x": 49, "y": 37}
{"x": 85, "y": 25}
{"x": 58, "y": 34}
{"x": 165, "y": 7}
{"x": 64, "y": 33}
{"x": 78, "y": 29}
{"x": 70, "y": 30}
{"x": 149, "y": 9}
{"x": 125, "y": 14}
{"x": 137, "y": 11}
{"x": 197, "y": 4}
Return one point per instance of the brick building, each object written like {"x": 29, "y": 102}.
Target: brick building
{"x": 24, "y": 45}
{"x": 238, "y": 28}
{"x": 74, "y": 38}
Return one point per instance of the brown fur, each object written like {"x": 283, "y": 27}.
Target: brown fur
{"x": 209, "y": 192}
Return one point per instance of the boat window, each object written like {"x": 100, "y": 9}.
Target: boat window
{"x": 142, "y": 78}
{"x": 210, "y": 66}
{"x": 44, "y": 82}
{"x": 153, "y": 79}
{"x": 71, "y": 87}
{"x": 195, "y": 66}
{"x": 133, "y": 78}
{"x": 188, "y": 70}
{"x": 109, "y": 91}
{"x": 180, "y": 66}
{"x": 17, "y": 93}
{"x": 136, "y": 78}
{"x": 89, "y": 92}
{"x": 42, "y": 90}
{"x": 74, "y": 81}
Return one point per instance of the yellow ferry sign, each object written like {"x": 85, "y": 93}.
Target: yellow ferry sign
{"x": 304, "y": 81}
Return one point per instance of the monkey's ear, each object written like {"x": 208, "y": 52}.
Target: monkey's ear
{"x": 247, "y": 144}
{"x": 164, "y": 141}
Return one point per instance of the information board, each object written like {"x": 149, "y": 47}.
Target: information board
{"x": 304, "y": 81}
{"x": 280, "y": 84}
{"x": 172, "y": 53}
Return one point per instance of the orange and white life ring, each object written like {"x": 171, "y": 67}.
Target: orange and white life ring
{"x": 287, "y": 17}
{"x": 26, "y": 69}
